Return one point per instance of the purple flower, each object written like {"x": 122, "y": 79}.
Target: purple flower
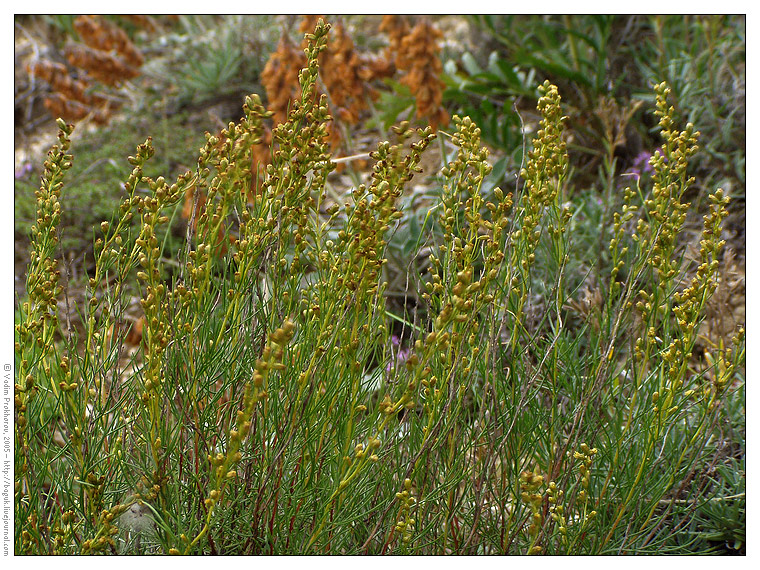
{"x": 641, "y": 165}
{"x": 22, "y": 170}
{"x": 400, "y": 355}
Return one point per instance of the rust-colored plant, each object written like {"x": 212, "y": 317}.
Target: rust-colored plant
{"x": 341, "y": 75}
{"x": 103, "y": 36}
{"x": 107, "y": 56}
{"x": 106, "y": 68}
{"x": 280, "y": 77}
{"x": 396, "y": 28}
{"x": 347, "y": 73}
{"x": 71, "y": 98}
{"x": 418, "y": 56}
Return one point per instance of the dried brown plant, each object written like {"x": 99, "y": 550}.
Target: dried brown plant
{"x": 418, "y": 56}
{"x": 57, "y": 76}
{"x": 102, "y": 35}
{"x": 71, "y": 98}
{"x": 107, "y": 55}
{"x": 340, "y": 69}
{"x": 280, "y": 77}
{"x": 71, "y": 109}
{"x": 396, "y": 28}
{"x": 106, "y": 68}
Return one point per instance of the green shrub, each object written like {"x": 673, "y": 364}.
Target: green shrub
{"x": 608, "y": 64}
{"x": 269, "y": 410}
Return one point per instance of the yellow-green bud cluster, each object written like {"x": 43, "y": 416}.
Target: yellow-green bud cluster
{"x": 530, "y": 493}
{"x": 256, "y": 390}
{"x": 404, "y": 521}
{"x": 557, "y": 509}
{"x": 585, "y": 458}
{"x": 38, "y": 319}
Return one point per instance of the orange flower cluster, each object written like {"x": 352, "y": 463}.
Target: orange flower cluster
{"x": 108, "y": 56}
{"x": 106, "y": 68}
{"x": 396, "y": 28}
{"x": 346, "y": 73}
{"x": 280, "y": 77}
{"x": 72, "y": 110}
{"x": 101, "y": 35}
{"x": 71, "y": 98}
{"x": 340, "y": 66}
{"x": 418, "y": 55}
